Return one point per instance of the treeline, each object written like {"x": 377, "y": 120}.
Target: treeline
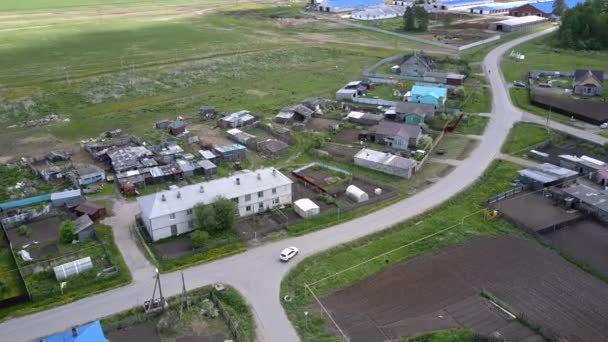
{"x": 585, "y": 27}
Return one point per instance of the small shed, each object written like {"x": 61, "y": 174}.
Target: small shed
{"x": 207, "y": 155}
{"x": 66, "y": 198}
{"x": 207, "y": 112}
{"x": 272, "y": 147}
{"x": 356, "y": 194}
{"x": 306, "y": 208}
{"x": 177, "y": 127}
{"x": 85, "y": 227}
{"x": 163, "y": 124}
{"x": 206, "y": 167}
{"x": 94, "y": 211}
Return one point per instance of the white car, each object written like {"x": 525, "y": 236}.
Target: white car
{"x": 604, "y": 125}
{"x": 288, "y": 253}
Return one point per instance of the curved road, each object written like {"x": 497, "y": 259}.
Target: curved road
{"x": 257, "y": 273}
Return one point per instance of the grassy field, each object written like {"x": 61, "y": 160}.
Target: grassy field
{"x": 523, "y": 136}
{"x": 109, "y": 73}
{"x": 12, "y": 285}
{"x": 45, "y": 289}
{"x": 449, "y": 335}
{"x": 456, "y": 147}
{"x": 464, "y": 213}
{"x": 472, "y": 124}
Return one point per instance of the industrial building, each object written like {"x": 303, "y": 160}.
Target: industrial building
{"x": 517, "y": 24}
{"x": 386, "y": 162}
{"x": 379, "y": 12}
{"x": 458, "y": 4}
{"x": 589, "y": 199}
{"x": 344, "y": 5}
{"x": 546, "y": 175}
{"x": 169, "y": 213}
{"x": 541, "y": 9}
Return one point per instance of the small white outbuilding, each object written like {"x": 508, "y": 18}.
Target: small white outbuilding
{"x": 356, "y": 194}
{"x": 306, "y": 208}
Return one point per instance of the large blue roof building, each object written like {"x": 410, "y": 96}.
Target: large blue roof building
{"x": 345, "y": 5}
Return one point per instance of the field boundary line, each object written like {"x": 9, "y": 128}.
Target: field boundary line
{"x": 327, "y": 313}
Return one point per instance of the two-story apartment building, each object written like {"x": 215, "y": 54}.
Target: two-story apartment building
{"x": 169, "y": 213}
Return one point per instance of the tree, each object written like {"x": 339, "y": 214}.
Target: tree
{"x": 409, "y": 22}
{"x": 24, "y": 230}
{"x": 67, "y": 231}
{"x": 205, "y": 218}
{"x": 199, "y": 238}
{"x": 584, "y": 27}
{"x": 422, "y": 18}
{"x": 225, "y": 214}
{"x": 559, "y": 7}
{"x": 415, "y": 18}
{"x": 447, "y": 20}
{"x": 425, "y": 142}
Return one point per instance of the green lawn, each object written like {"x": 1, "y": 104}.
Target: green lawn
{"x": 478, "y": 99}
{"x": 472, "y": 124}
{"x": 456, "y": 147}
{"x": 468, "y": 204}
{"x": 450, "y": 335}
{"x": 9, "y": 177}
{"x": 523, "y": 137}
{"x": 12, "y": 285}
{"x": 45, "y": 289}
{"x": 392, "y": 24}
{"x": 384, "y": 91}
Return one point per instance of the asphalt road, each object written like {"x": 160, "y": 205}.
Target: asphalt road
{"x": 257, "y": 273}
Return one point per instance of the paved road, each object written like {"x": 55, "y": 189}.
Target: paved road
{"x": 588, "y": 135}
{"x": 257, "y": 273}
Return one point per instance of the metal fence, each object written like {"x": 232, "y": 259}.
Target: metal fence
{"x": 504, "y": 195}
{"x": 233, "y": 324}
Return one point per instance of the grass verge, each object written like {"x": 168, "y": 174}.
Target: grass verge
{"x": 495, "y": 180}
{"x": 524, "y": 136}
{"x": 472, "y": 124}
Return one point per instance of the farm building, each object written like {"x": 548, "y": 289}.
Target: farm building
{"x": 347, "y": 94}
{"x": 230, "y": 153}
{"x": 396, "y": 135}
{"x": 66, "y": 198}
{"x": 344, "y": 5}
{"x": 207, "y": 155}
{"x": 86, "y": 175}
{"x": 169, "y": 213}
{"x": 386, "y": 162}
{"x": 186, "y": 167}
{"x": 90, "y": 332}
{"x": 546, "y": 175}
{"x": 589, "y": 199}
{"x": 94, "y": 211}
{"x": 238, "y": 119}
{"x": 85, "y": 227}
{"x": 177, "y": 126}
{"x": 448, "y": 78}
{"x": 297, "y": 113}
{"x": 594, "y": 112}
{"x": 457, "y": 4}
{"x": 402, "y": 3}
{"x": 272, "y": 147}
{"x": 541, "y": 9}
{"x": 364, "y": 118}
{"x": 498, "y": 8}
{"x": 205, "y": 168}
{"x": 412, "y": 113}
{"x": 127, "y": 158}
{"x": 241, "y": 137}
{"x": 169, "y": 152}
{"x": 588, "y": 82}
{"x": 356, "y": 194}
{"x": 306, "y": 208}
{"x": 416, "y": 65}
{"x": 517, "y": 24}
{"x": 435, "y": 96}
{"x": 162, "y": 124}
{"x": 379, "y": 12}
{"x": 584, "y": 165}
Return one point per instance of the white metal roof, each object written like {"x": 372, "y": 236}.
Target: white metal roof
{"x": 153, "y": 205}
{"x": 520, "y": 20}
{"x": 593, "y": 160}
{"x": 355, "y": 115}
{"x": 65, "y": 194}
{"x": 305, "y": 204}
{"x": 385, "y": 158}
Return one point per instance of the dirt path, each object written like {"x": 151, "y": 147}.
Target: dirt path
{"x": 126, "y": 238}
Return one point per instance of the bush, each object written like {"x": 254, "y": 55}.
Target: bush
{"x": 217, "y": 217}
{"x": 199, "y": 238}
{"x": 3, "y": 287}
{"x": 67, "y": 231}
{"x": 167, "y": 323}
{"x": 24, "y": 230}
{"x": 208, "y": 309}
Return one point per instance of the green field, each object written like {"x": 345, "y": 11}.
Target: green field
{"x": 523, "y": 137}
{"x": 472, "y": 124}
{"x": 465, "y": 208}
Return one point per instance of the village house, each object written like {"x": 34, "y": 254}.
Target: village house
{"x": 94, "y": 211}
{"x": 169, "y": 213}
{"x": 162, "y": 124}
{"x": 435, "y": 96}
{"x": 238, "y": 119}
{"x": 297, "y": 113}
{"x": 396, "y": 135}
{"x": 361, "y": 118}
{"x": 127, "y": 157}
{"x": 85, "y": 227}
{"x": 588, "y": 82}
{"x": 411, "y": 113}
{"x": 386, "y": 162}
{"x": 243, "y": 138}
{"x": 272, "y": 147}
{"x": 540, "y": 9}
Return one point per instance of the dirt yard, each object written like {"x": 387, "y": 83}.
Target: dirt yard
{"x": 45, "y": 230}
{"x": 586, "y": 241}
{"x": 341, "y": 152}
{"x": 519, "y": 208}
{"x": 175, "y": 248}
{"x": 347, "y": 136}
{"x": 320, "y": 123}
{"x": 140, "y": 332}
{"x": 210, "y": 136}
{"x": 442, "y": 289}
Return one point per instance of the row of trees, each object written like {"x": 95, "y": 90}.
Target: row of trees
{"x": 213, "y": 220}
{"x": 415, "y": 19}
{"x": 584, "y": 27}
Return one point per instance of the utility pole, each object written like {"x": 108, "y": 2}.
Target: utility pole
{"x": 184, "y": 298}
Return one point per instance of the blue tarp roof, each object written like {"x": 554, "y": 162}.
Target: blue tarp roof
{"x": 25, "y": 202}
{"x": 500, "y": 6}
{"x": 547, "y": 6}
{"x": 433, "y": 91}
{"x": 90, "y": 332}
{"x": 352, "y": 3}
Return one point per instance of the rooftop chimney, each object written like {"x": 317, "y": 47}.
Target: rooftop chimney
{"x": 179, "y": 194}
{"x": 74, "y": 332}
{"x": 259, "y": 176}
{"x": 274, "y": 172}
{"x": 201, "y": 189}
{"x": 163, "y": 198}
{"x": 238, "y": 181}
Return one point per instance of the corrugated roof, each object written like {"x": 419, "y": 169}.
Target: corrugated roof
{"x": 520, "y": 20}
{"x": 385, "y": 158}
{"x": 153, "y": 205}
{"x": 436, "y": 92}
{"x": 229, "y": 148}
{"x": 500, "y": 6}
{"x": 547, "y": 6}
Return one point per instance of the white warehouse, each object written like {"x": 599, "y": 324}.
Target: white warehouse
{"x": 169, "y": 213}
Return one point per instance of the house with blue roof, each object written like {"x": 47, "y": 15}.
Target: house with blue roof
{"x": 542, "y": 9}
{"x": 90, "y": 332}
{"x": 345, "y": 5}
{"x": 435, "y": 96}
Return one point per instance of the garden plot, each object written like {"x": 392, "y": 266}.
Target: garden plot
{"x": 441, "y": 290}
{"x": 347, "y": 136}
{"x": 341, "y": 152}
